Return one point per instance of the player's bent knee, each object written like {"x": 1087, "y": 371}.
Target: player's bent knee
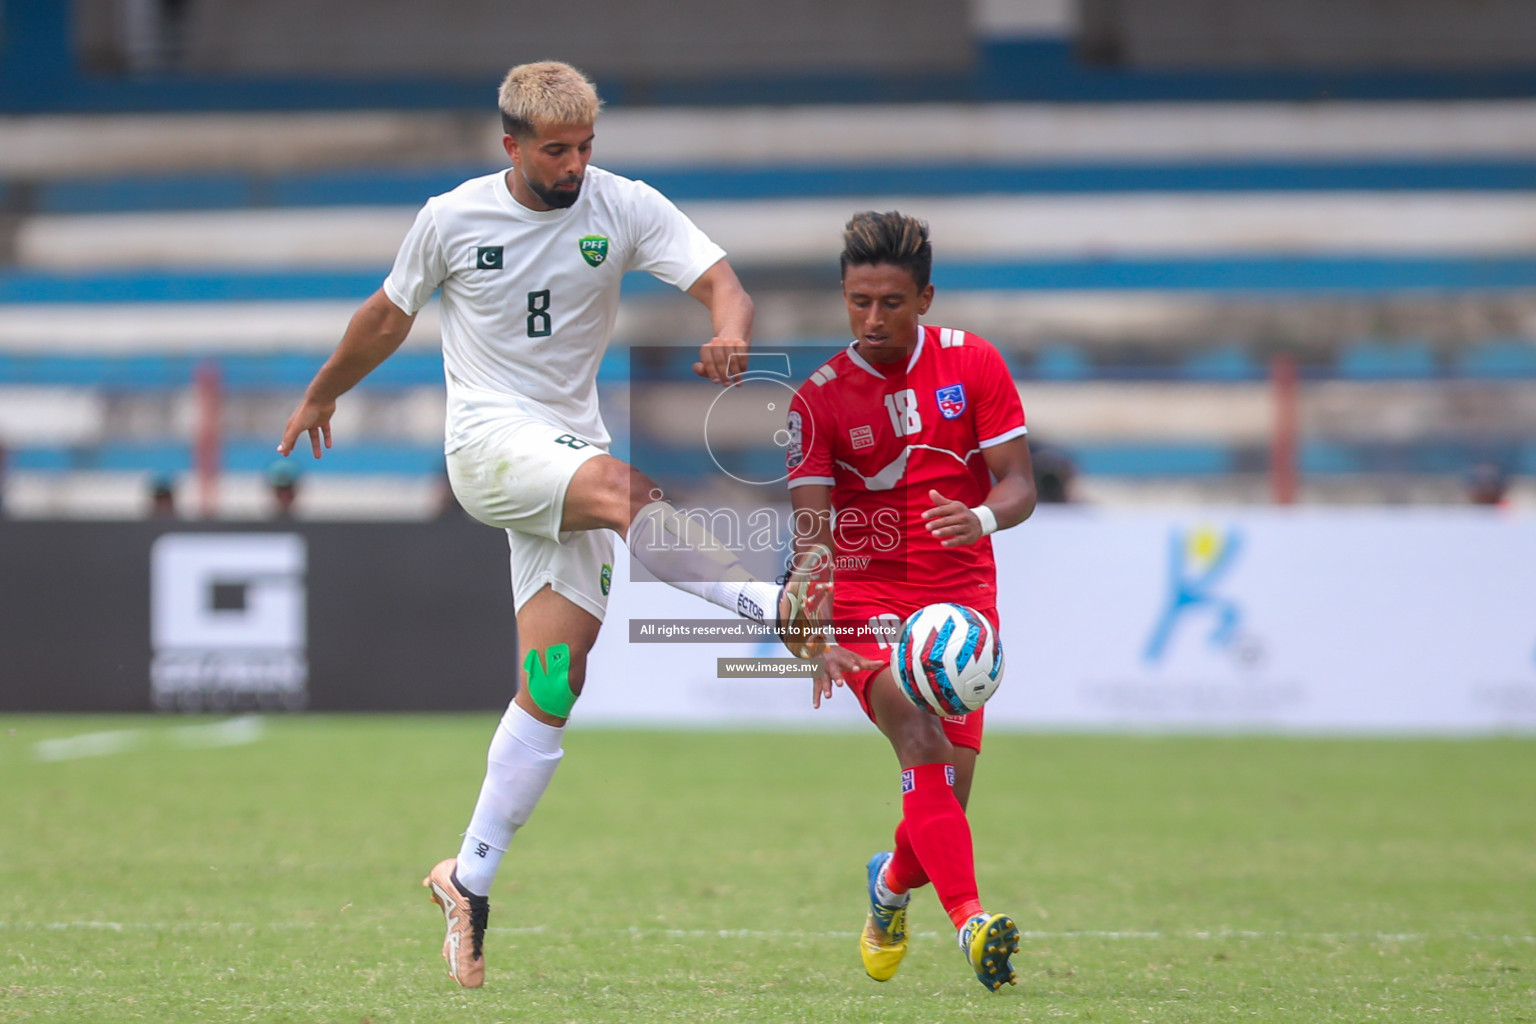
{"x": 642, "y": 491}
{"x": 549, "y": 680}
{"x": 921, "y": 740}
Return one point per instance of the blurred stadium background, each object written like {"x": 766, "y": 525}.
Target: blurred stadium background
{"x": 1243, "y": 261}
{"x": 1156, "y": 209}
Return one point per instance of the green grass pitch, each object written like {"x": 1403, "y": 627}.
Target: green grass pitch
{"x": 165, "y": 871}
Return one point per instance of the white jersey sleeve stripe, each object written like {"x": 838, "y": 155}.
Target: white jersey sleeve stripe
{"x": 1018, "y": 431}
{"x": 801, "y": 481}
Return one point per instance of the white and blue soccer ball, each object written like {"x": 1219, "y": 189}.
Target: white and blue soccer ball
{"x": 947, "y": 658}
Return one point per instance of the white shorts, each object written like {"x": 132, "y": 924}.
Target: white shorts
{"x": 514, "y": 474}
{"x": 579, "y": 569}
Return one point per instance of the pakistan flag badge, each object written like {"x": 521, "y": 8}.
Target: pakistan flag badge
{"x": 606, "y": 577}
{"x": 594, "y": 249}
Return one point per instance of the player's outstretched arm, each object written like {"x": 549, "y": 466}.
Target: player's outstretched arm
{"x": 1009, "y": 503}
{"x": 724, "y": 358}
{"x": 375, "y": 331}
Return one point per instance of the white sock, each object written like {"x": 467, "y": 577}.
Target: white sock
{"x": 682, "y": 551}
{"x": 523, "y": 756}
{"x": 886, "y": 897}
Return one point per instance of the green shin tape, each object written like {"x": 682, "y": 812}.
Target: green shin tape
{"x": 549, "y": 681}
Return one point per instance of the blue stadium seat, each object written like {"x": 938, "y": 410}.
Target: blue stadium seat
{"x": 1226, "y": 363}
{"x": 1386, "y": 360}
{"x": 145, "y": 192}
{"x": 1062, "y": 362}
{"x": 1498, "y": 357}
{"x": 239, "y": 455}
{"x": 410, "y": 185}
{"x": 1153, "y": 460}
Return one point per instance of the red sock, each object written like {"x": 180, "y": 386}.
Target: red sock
{"x": 904, "y": 872}
{"x": 941, "y": 837}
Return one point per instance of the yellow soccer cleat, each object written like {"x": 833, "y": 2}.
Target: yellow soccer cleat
{"x": 987, "y": 942}
{"x": 884, "y": 941}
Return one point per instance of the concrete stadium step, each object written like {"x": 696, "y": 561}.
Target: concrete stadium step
{"x": 991, "y": 228}
{"x": 41, "y": 148}
{"x": 170, "y": 329}
{"x": 1057, "y": 335}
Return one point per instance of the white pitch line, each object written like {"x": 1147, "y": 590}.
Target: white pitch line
{"x": 231, "y": 732}
{"x": 88, "y": 744}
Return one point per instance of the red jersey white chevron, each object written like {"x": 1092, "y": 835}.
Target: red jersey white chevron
{"x": 881, "y": 436}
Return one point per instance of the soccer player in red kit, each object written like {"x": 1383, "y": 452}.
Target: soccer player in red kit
{"x": 905, "y": 451}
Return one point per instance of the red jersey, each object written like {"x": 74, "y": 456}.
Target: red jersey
{"x": 881, "y": 437}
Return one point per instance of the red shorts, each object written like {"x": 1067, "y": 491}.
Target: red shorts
{"x": 962, "y": 730}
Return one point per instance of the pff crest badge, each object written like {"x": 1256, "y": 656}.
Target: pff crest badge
{"x": 951, "y": 401}
{"x": 594, "y": 249}
{"x": 605, "y": 578}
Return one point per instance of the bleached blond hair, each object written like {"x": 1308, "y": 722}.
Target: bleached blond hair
{"x": 548, "y": 93}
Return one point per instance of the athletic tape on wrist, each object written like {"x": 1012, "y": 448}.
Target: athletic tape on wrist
{"x": 549, "y": 680}
{"x": 988, "y": 519}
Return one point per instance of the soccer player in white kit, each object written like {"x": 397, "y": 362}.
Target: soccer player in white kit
{"x": 529, "y": 263}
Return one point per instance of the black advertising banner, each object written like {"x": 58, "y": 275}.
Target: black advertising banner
{"x": 139, "y": 616}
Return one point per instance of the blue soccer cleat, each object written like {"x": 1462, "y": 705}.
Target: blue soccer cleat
{"x": 987, "y": 942}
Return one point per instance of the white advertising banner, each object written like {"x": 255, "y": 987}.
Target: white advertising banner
{"x": 1276, "y": 620}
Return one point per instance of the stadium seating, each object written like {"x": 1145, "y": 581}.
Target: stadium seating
{"x": 1372, "y": 360}
{"x": 1498, "y": 357}
{"x": 1162, "y": 234}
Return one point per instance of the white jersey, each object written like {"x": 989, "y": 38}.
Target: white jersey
{"x": 529, "y": 297}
